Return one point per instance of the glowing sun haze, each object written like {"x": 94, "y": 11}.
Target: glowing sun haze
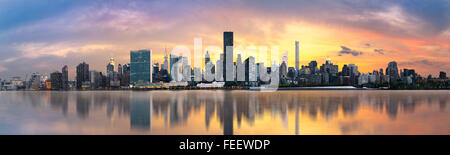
{"x": 42, "y": 36}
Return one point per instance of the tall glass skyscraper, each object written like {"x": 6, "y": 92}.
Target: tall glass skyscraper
{"x": 140, "y": 67}
{"x": 228, "y": 56}
{"x": 82, "y": 74}
{"x": 65, "y": 77}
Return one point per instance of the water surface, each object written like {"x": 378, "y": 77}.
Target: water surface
{"x": 225, "y": 112}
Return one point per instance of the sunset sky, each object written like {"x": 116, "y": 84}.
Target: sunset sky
{"x": 42, "y": 36}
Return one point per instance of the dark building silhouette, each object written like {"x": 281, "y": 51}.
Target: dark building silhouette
{"x": 345, "y": 71}
{"x": 125, "y": 79}
{"x": 392, "y": 71}
{"x": 56, "y": 80}
{"x": 442, "y": 75}
{"x": 82, "y": 74}
{"x": 227, "y": 54}
{"x": 228, "y": 114}
{"x": 119, "y": 69}
{"x": 409, "y": 73}
{"x": 65, "y": 77}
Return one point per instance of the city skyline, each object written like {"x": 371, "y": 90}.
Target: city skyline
{"x": 368, "y": 34}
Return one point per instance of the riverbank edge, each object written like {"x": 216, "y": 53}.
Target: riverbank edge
{"x": 229, "y": 89}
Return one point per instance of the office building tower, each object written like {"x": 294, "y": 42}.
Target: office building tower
{"x": 56, "y": 80}
{"x": 209, "y": 74}
{"x": 125, "y": 80}
{"x": 392, "y": 72}
{"x": 165, "y": 65}
{"x": 442, "y": 75}
{"x": 173, "y": 60}
{"x": 198, "y": 74}
{"x": 219, "y": 68}
{"x": 228, "y": 56}
{"x": 263, "y": 73}
{"x": 35, "y": 81}
{"x": 258, "y": 78}
{"x": 176, "y": 71}
{"x": 96, "y": 79}
{"x": 207, "y": 57}
{"x": 140, "y": 67}
{"x": 345, "y": 71}
{"x": 409, "y": 73}
{"x": 274, "y": 74}
{"x": 283, "y": 72}
{"x": 186, "y": 69}
{"x": 297, "y": 56}
{"x": 329, "y": 72}
{"x": 155, "y": 68}
{"x": 119, "y": 69}
{"x": 353, "y": 70}
{"x": 240, "y": 69}
{"x": 65, "y": 77}
{"x": 250, "y": 69}
{"x": 207, "y": 60}
{"x": 313, "y": 67}
{"x": 82, "y": 74}
{"x": 110, "y": 68}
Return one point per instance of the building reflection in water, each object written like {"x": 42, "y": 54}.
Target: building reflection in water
{"x": 83, "y": 102}
{"x": 228, "y": 113}
{"x": 141, "y": 110}
{"x": 59, "y": 100}
{"x": 206, "y": 111}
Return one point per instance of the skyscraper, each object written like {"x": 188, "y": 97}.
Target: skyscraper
{"x": 209, "y": 72}
{"x": 165, "y": 65}
{"x": 96, "y": 79}
{"x": 442, "y": 75}
{"x": 56, "y": 80}
{"x": 125, "y": 80}
{"x": 345, "y": 71}
{"x": 119, "y": 69}
{"x": 82, "y": 74}
{"x": 173, "y": 60}
{"x": 110, "y": 67}
{"x": 219, "y": 68}
{"x": 207, "y": 60}
{"x": 283, "y": 71}
{"x": 353, "y": 70}
{"x": 141, "y": 68}
{"x": 313, "y": 67}
{"x": 297, "y": 56}
{"x": 228, "y": 56}
{"x": 392, "y": 71}
{"x": 155, "y": 68}
{"x": 65, "y": 77}
{"x": 207, "y": 57}
{"x": 250, "y": 69}
{"x": 35, "y": 81}
{"x": 119, "y": 74}
{"x": 186, "y": 69}
{"x": 240, "y": 69}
